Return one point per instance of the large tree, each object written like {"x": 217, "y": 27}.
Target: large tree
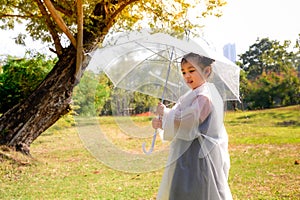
{"x": 270, "y": 75}
{"x": 84, "y": 24}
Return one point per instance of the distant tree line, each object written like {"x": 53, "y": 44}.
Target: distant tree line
{"x": 270, "y": 74}
{"x": 269, "y": 78}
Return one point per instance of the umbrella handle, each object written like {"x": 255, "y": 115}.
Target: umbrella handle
{"x": 152, "y": 144}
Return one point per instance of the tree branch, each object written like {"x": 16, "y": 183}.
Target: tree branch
{"x": 51, "y": 27}
{"x": 123, "y": 4}
{"x": 17, "y": 16}
{"x": 79, "y": 40}
{"x": 60, "y": 22}
{"x": 62, "y": 9}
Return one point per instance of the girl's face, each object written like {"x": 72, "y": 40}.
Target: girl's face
{"x": 191, "y": 75}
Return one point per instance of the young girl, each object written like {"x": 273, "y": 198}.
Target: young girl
{"x": 198, "y": 164}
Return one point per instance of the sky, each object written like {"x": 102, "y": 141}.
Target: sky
{"x": 8, "y": 46}
{"x": 243, "y": 21}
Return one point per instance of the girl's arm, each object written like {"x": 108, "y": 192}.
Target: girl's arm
{"x": 183, "y": 122}
{"x": 201, "y": 105}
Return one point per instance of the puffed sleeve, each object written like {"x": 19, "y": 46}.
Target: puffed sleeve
{"x": 182, "y": 122}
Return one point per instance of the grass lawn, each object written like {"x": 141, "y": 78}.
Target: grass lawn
{"x": 264, "y": 146}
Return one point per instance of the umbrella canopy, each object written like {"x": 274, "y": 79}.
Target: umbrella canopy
{"x": 150, "y": 64}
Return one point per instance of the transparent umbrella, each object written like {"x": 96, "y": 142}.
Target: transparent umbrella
{"x": 150, "y": 64}
{"x": 143, "y": 65}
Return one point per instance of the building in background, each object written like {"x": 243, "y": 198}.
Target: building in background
{"x": 229, "y": 52}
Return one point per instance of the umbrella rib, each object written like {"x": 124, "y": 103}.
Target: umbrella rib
{"x": 168, "y": 73}
{"x": 124, "y": 75}
{"x": 154, "y": 51}
{"x": 163, "y": 80}
{"x": 138, "y": 64}
{"x": 170, "y": 47}
{"x": 151, "y": 94}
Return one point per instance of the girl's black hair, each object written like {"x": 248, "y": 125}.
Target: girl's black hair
{"x": 201, "y": 59}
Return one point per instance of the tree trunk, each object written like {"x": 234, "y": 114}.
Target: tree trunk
{"x": 22, "y": 124}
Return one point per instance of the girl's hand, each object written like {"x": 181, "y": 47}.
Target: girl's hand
{"x": 160, "y": 109}
{"x": 156, "y": 123}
